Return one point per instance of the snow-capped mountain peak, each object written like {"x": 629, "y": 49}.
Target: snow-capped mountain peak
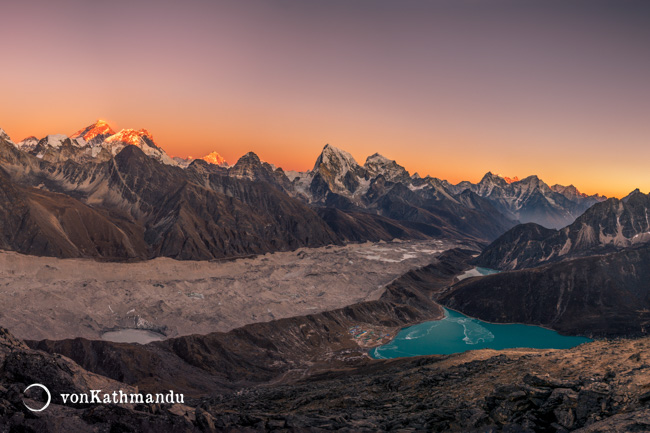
{"x": 28, "y": 144}
{"x": 140, "y": 138}
{"x": 378, "y": 164}
{"x": 338, "y": 171}
{"x": 511, "y": 179}
{"x": 215, "y": 158}
{"x": 132, "y": 137}
{"x": 568, "y": 191}
{"x": 378, "y": 158}
{"x": 488, "y": 183}
{"x": 99, "y": 128}
{"x": 490, "y": 177}
{"x": 335, "y": 157}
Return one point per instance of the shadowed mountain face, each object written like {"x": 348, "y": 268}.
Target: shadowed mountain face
{"x": 604, "y": 295}
{"x": 133, "y": 207}
{"x": 44, "y": 223}
{"x": 384, "y": 187}
{"x": 605, "y": 227}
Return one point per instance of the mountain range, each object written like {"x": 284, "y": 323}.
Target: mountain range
{"x": 606, "y": 227}
{"x": 120, "y": 196}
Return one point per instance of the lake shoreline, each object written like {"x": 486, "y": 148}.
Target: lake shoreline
{"x": 509, "y": 336}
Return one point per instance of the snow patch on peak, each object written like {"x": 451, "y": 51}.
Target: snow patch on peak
{"x": 333, "y": 156}
{"x": 55, "y": 140}
{"x": 183, "y": 162}
{"x": 378, "y": 158}
{"x": 568, "y": 191}
{"x": 28, "y": 144}
{"x": 493, "y": 177}
{"x": 380, "y": 165}
{"x": 140, "y": 138}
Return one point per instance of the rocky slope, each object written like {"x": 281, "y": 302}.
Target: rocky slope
{"x": 604, "y": 295}
{"x": 383, "y": 188}
{"x": 481, "y": 391}
{"x": 21, "y": 366}
{"x": 202, "y": 210}
{"x": 338, "y": 181}
{"x": 605, "y": 227}
{"x": 310, "y": 373}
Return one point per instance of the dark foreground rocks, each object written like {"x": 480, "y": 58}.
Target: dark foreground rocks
{"x": 602, "y": 386}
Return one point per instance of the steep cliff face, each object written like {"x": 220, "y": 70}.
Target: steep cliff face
{"x": 604, "y": 295}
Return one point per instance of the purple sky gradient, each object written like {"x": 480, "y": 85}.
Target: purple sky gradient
{"x": 447, "y": 88}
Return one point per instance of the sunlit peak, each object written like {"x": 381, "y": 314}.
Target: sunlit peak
{"x": 100, "y": 127}
{"x": 130, "y": 136}
{"x": 214, "y": 158}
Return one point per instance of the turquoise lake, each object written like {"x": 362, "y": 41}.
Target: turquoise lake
{"x": 459, "y": 333}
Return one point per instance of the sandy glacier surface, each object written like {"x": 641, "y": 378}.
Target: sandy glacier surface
{"x": 48, "y": 298}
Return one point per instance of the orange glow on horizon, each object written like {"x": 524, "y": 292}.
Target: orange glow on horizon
{"x": 293, "y": 155}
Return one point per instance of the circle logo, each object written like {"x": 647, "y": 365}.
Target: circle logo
{"x": 44, "y": 388}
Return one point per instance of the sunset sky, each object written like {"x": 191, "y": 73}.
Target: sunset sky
{"x": 453, "y": 88}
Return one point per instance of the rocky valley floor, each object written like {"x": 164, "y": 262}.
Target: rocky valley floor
{"x": 48, "y": 298}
